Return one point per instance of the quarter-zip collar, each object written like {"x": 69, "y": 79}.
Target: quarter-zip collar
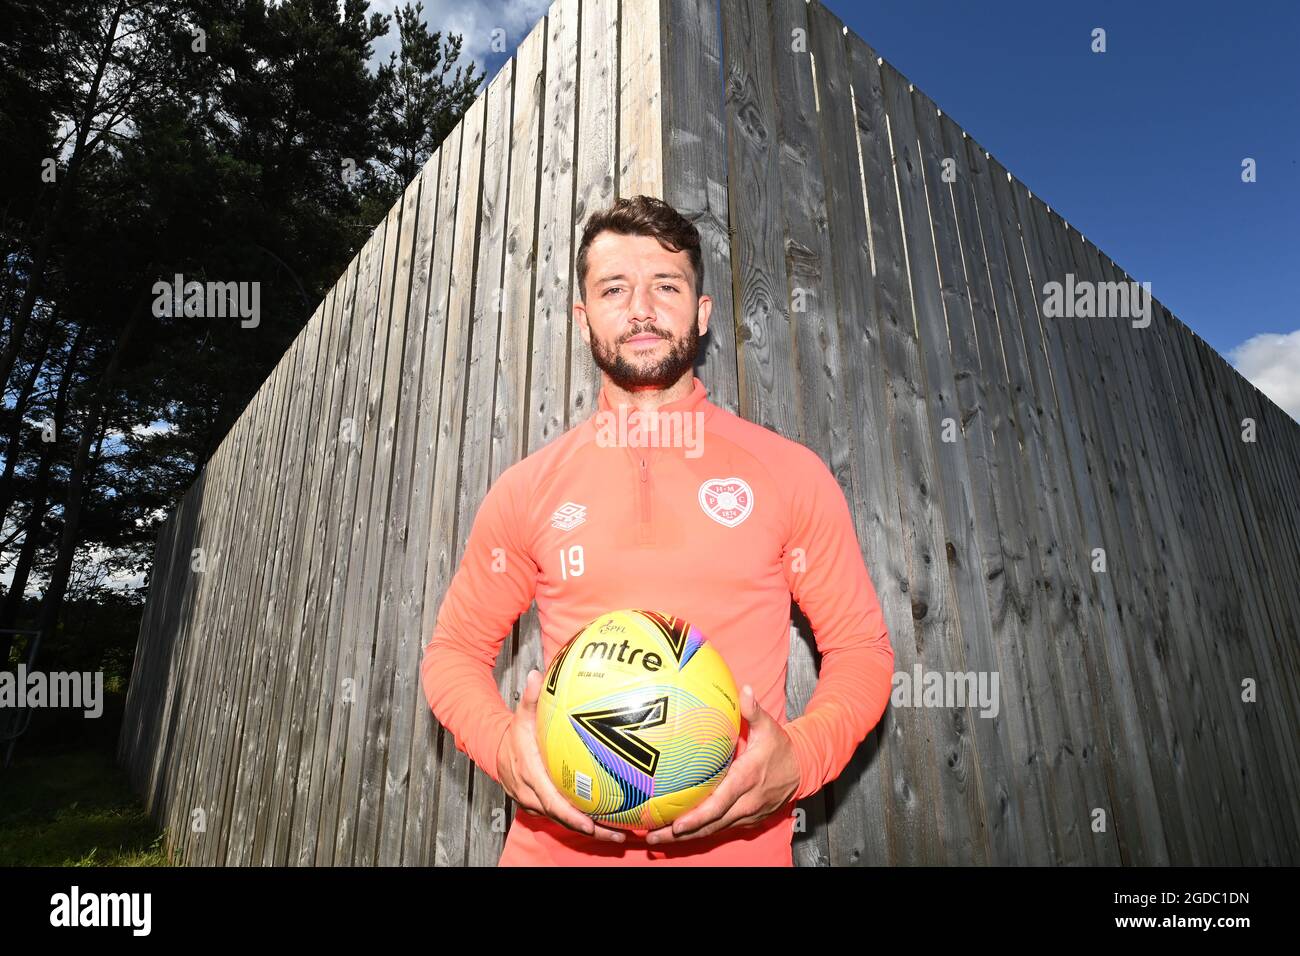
{"x": 642, "y": 457}
{"x": 696, "y": 400}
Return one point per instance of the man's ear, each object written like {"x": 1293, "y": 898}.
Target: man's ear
{"x": 580, "y": 316}
{"x": 704, "y": 309}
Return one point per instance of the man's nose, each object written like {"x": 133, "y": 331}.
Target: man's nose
{"x": 641, "y": 308}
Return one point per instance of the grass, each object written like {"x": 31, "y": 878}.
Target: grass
{"x": 73, "y": 808}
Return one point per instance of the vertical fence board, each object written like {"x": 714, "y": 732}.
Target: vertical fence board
{"x": 450, "y": 523}
{"x": 426, "y": 742}
{"x": 695, "y": 173}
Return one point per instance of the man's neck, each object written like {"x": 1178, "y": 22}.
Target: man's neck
{"x": 646, "y": 399}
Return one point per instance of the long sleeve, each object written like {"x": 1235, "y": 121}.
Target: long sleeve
{"x": 829, "y": 581}
{"x": 494, "y": 584}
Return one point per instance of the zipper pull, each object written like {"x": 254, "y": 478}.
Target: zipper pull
{"x": 643, "y": 474}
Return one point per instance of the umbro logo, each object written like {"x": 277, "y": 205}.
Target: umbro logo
{"x": 568, "y": 516}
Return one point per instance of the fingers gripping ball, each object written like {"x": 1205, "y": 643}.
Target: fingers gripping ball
{"x": 638, "y": 719}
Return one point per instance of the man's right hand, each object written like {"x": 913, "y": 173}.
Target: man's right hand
{"x": 523, "y": 774}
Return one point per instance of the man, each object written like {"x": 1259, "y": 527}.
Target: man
{"x": 720, "y": 525}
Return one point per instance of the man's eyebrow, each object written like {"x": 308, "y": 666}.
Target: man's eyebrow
{"x": 657, "y": 275}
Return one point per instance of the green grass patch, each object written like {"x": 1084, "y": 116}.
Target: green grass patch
{"x": 73, "y": 809}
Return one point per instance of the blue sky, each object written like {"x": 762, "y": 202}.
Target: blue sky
{"x": 1139, "y": 147}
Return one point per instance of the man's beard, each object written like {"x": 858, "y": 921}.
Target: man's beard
{"x": 660, "y": 374}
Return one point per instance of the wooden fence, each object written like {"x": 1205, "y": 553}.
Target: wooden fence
{"x": 1065, "y": 504}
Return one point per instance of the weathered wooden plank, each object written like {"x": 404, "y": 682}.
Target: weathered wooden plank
{"x": 511, "y": 400}
{"x": 1138, "y": 792}
{"x": 154, "y": 685}
{"x": 136, "y": 743}
{"x": 1242, "y": 612}
{"x": 1191, "y": 496}
{"x": 853, "y": 412}
{"x": 1109, "y": 443}
{"x": 367, "y": 751}
{"x": 642, "y": 59}
{"x": 817, "y": 164}
{"x": 484, "y": 846}
{"x": 975, "y": 557}
{"x": 228, "y": 814}
{"x": 410, "y": 527}
{"x": 183, "y": 734}
{"x": 211, "y": 798}
{"x": 935, "y": 600}
{"x": 334, "y": 846}
{"x": 1275, "y": 787}
{"x": 765, "y": 338}
{"x": 1024, "y": 479}
{"x": 219, "y": 551}
{"x": 695, "y": 173}
{"x": 1221, "y": 590}
{"x": 1053, "y": 495}
{"x": 1277, "y": 517}
{"x": 183, "y": 744}
{"x": 1074, "y": 372}
{"x": 1047, "y": 264}
{"x": 546, "y": 389}
{"x": 163, "y": 682}
{"x": 455, "y": 771}
{"x": 765, "y": 350}
{"x": 996, "y": 477}
{"x": 595, "y": 169}
{"x": 286, "y": 558}
{"x": 302, "y": 810}
{"x": 1247, "y": 401}
{"x": 321, "y": 807}
{"x": 364, "y": 569}
{"x": 178, "y": 676}
{"x": 510, "y": 403}
{"x": 1048, "y": 260}
{"x": 879, "y": 341}
{"x": 301, "y": 588}
{"x": 1123, "y": 347}
{"x": 424, "y": 791}
{"x": 145, "y": 661}
{"x": 266, "y": 656}
{"x": 552, "y": 298}
{"x": 1261, "y": 605}
{"x": 170, "y": 681}
{"x": 974, "y": 549}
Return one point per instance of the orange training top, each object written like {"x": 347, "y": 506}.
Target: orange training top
{"x": 716, "y": 520}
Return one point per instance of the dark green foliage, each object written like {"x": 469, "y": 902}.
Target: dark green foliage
{"x": 206, "y": 138}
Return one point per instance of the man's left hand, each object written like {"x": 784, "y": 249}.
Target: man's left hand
{"x": 762, "y": 779}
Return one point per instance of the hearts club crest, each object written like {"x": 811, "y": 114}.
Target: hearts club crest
{"x": 728, "y": 501}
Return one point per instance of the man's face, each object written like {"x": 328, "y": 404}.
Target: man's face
{"x": 641, "y": 317}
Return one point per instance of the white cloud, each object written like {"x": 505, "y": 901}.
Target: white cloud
{"x": 473, "y": 21}
{"x": 1271, "y": 362}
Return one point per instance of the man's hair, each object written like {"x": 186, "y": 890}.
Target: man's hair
{"x": 643, "y": 216}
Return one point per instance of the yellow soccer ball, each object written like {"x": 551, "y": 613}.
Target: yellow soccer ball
{"x": 638, "y": 719}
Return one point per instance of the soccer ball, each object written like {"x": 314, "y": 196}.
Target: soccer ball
{"x": 638, "y": 719}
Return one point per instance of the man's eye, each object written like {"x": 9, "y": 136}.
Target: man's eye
{"x": 611, "y": 289}
{"x": 670, "y": 288}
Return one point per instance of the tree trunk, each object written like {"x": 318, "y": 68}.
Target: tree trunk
{"x": 36, "y": 278}
{"x": 13, "y": 601}
{"x": 52, "y": 601}
{"x": 13, "y": 449}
